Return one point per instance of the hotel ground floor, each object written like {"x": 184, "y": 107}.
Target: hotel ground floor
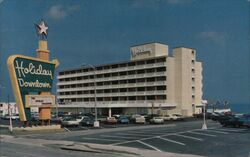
{"x": 110, "y": 109}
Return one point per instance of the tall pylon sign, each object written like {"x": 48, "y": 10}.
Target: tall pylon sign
{"x": 32, "y": 78}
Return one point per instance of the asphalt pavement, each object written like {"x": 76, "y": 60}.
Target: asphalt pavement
{"x": 176, "y": 137}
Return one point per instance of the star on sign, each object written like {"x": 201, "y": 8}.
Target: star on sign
{"x": 42, "y": 28}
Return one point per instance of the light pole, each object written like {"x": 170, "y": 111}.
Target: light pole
{"x": 96, "y": 123}
{"x": 10, "y": 114}
{"x": 204, "y": 126}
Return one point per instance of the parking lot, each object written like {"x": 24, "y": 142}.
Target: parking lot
{"x": 182, "y": 137}
{"x": 173, "y": 136}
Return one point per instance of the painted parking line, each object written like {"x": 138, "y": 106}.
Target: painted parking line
{"x": 169, "y": 140}
{"x": 215, "y": 131}
{"x": 199, "y": 133}
{"x": 83, "y": 127}
{"x": 119, "y": 143}
{"x": 127, "y": 134}
{"x": 66, "y": 129}
{"x": 230, "y": 129}
{"x": 149, "y": 145}
{"x": 101, "y": 139}
{"x": 190, "y": 137}
{"x": 142, "y": 132}
{"x": 123, "y": 137}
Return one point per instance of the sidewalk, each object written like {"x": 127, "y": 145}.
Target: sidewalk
{"x": 88, "y": 147}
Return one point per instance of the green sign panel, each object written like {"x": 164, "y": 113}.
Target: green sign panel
{"x": 30, "y": 76}
{"x": 34, "y": 76}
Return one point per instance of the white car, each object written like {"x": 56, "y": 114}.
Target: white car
{"x": 15, "y": 116}
{"x": 173, "y": 117}
{"x": 136, "y": 118}
{"x": 157, "y": 120}
{"x": 70, "y": 121}
{"x": 178, "y": 117}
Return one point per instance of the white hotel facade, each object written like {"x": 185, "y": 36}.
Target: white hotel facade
{"x": 151, "y": 82}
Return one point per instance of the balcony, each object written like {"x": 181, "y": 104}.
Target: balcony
{"x": 140, "y": 93}
{"x": 113, "y": 70}
{"x": 142, "y": 84}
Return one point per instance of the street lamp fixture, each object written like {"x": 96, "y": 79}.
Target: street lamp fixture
{"x": 96, "y": 123}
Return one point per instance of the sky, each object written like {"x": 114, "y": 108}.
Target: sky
{"x": 102, "y": 31}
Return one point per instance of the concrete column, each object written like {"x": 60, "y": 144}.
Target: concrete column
{"x": 110, "y": 112}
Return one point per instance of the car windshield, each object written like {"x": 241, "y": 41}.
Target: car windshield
{"x": 68, "y": 118}
{"x": 157, "y": 118}
{"x": 122, "y": 117}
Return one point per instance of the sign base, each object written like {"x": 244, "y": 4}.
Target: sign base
{"x": 96, "y": 124}
{"x": 204, "y": 126}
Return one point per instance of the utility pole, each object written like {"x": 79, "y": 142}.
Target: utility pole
{"x": 10, "y": 113}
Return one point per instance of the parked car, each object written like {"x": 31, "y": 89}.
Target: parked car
{"x": 13, "y": 117}
{"x": 216, "y": 116}
{"x": 87, "y": 121}
{"x": 168, "y": 117}
{"x": 247, "y": 122}
{"x": 116, "y": 116}
{"x": 101, "y": 119}
{"x": 172, "y": 117}
{"x": 79, "y": 117}
{"x": 136, "y": 118}
{"x": 150, "y": 116}
{"x": 157, "y": 120}
{"x": 178, "y": 117}
{"x": 224, "y": 118}
{"x": 123, "y": 120}
{"x": 111, "y": 120}
{"x": 234, "y": 121}
{"x": 70, "y": 121}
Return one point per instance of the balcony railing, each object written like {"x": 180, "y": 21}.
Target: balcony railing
{"x": 153, "y": 65}
{"x": 144, "y": 84}
{"x": 116, "y": 78}
{"x": 161, "y": 92}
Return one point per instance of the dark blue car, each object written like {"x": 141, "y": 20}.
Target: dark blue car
{"x": 123, "y": 120}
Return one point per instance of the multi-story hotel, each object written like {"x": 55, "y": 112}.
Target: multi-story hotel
{"x": 151, "y": 82}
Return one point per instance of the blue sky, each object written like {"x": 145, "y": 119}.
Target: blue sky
{"x": 101, "y": 31}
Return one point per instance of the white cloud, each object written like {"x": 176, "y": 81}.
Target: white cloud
{"x": 1, "y": 1}
{"x": 60, "y": 12}
{"x": 216, "y": 37}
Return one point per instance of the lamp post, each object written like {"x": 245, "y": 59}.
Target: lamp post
{"x": 204, "y": 126}
{"x": 96, "y": 123}
{"x": 10, "y": 113}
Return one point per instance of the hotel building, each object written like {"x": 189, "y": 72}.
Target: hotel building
{"x": 151, "y": 82}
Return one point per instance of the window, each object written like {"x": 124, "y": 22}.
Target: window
{"x": 152, "y": 79}
{"x": 150, "y": 61}
{"x": 161, "y": 69}
{"x": 131, "y": 89}
{"x": 141, "y": 89}
{"x": 131, "y": 64}
{"x": 131, "y": 98}
{"x": 140, "y": 62}
{"x": 140, "y": 71}
{"x": 131, "y": 81}
{"x": 131, "y": 72}
{"x": 150, "y": 97}
{"x": 123, "y": 90}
